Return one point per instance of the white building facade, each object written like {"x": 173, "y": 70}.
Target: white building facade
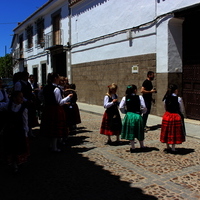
{"x": 105, "y": 41}
{"x": 40, "y": 41}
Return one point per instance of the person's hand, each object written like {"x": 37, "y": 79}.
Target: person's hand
{"x": 70, "y": 95}
{"x": 154, "y": 91}
{"x": 115, "y": 100}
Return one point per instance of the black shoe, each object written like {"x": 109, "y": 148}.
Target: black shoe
{"x": 116, "y": 143}
{"x": 167, "y": 150}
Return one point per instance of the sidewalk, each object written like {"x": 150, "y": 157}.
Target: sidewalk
{"x": 192, "y": 126}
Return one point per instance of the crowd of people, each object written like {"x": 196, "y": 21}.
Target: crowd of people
{"x": 55, "y": 105}
{"x": 137, "y": 108}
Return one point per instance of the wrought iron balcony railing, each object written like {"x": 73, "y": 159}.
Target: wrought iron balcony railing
{"x": 18, "y": 54}
{"x": 53, "y": 38}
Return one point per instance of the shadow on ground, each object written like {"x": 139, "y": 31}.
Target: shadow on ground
{"x": 184, "y": 151}
{"x": 154, "y": 127}
{"x": 67, "y": 175}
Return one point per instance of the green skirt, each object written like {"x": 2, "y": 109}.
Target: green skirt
{"x": 132, "y": 127}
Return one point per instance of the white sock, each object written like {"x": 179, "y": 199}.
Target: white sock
{"x": 132, "y": 144}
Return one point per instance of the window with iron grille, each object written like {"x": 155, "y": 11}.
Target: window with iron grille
{"x": 40, "y": 32}
{"x": 21, "y": 49}
{"x": 29, "y": 35}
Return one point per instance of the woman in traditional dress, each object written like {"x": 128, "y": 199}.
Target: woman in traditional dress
{"x": 72, "y": 109}
{"x": 173, "y": 128}
{"x": 111, "y": 122}
{"x": 53, "y": 122}
{"x": 132, "y": 125}
{"x": 15, "y": 131}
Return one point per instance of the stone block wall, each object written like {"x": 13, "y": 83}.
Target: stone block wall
{"x": 92, "y": 79}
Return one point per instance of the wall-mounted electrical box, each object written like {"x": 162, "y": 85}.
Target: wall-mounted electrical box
{"x": 135, "y": 68}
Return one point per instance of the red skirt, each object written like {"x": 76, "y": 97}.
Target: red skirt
{"x": 172, "y": 130}
{"x": 20, "y": 158}
{"x": 53, "y": 123}
{"x": 110, "y": 126}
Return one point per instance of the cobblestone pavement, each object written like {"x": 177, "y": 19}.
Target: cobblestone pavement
{"x": 89, "y": 169}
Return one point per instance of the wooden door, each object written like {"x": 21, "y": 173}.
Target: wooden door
{"x": 191, "y": 64}
{"x": 56, "y": 30}
{"x": 191, "y": 90}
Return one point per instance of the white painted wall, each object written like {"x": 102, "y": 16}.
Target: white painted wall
{"x": 95, "y": 20}
{"x": 175, "y": 45}
{"x": 35, "y": 56}
{"x": 102, "y": 17}
{"x": 162, "y": 45}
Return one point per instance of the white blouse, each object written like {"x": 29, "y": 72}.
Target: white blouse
{"x": 61, "y": 101}
{"x": 18, "y": 87}
{"x": 2, "y": 97}
{"x": 122, "y": 105}
{"x": 16, "y": 108}
{"x": 108, "y": 104}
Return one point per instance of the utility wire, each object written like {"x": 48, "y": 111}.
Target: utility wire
{"x": 8, "y": 23}
{"x": 122, "y": 31}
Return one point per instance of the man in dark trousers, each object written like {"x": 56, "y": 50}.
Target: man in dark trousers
{"x": 147, "y": 90}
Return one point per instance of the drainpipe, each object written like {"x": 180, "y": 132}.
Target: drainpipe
{"x": 68, "y": 57}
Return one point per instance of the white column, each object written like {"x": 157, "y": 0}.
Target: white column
{"x": 169, "y": 45}
{"x": 175, "y": 45}
{"x": 162, "y": 45}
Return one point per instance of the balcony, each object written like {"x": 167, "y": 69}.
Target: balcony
{"x": 53, "y": 40}
{"x": 40, "y": 42}
{"x": 18, "y": 54}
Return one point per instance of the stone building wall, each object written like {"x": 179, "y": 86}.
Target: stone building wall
{"x": 92, "y": 78}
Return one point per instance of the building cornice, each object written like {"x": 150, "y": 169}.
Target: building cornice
{"x": 73, "y": 2}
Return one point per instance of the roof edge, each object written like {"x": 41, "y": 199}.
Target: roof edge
{"x": 73, "y": 2}
{"x": 20, "y": 24}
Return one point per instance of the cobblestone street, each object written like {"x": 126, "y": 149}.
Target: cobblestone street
{"x": 89, "y": 169}
{"x": 165, "y": 176}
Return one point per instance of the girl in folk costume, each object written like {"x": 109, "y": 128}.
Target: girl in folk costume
{"x": 62, "y": 83}
{"x": 173, "y": 128}
{"x": 71, "y": 108}
{"x": 53, "y": 119}
{"x": 15, "y": 132}
{"x": 132, "y": 124}
{"x": 111, "y": 122}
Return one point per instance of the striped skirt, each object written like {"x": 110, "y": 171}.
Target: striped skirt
{"x": 132, "y": 127}
{"x": 172, "y": 129}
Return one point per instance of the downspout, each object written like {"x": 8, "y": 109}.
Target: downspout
{"x": 68, "y": 57}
